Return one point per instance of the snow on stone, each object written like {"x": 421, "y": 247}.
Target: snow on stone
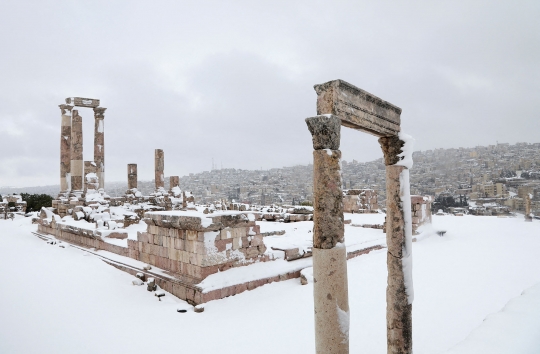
{"x": 406, "y": 155}
{"x": 407, "y": 258}
{"x": 344, "y": 323}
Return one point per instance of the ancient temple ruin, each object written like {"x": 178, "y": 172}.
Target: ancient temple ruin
{"x": 340, "y": 103}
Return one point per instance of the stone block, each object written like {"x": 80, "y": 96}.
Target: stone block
{"x": 178, "y": 243}
{"x": 152, "y": 229}
{"x": 146, "y": 248}
{"x": 240, "y": 288}
{"x": 141, "y": 237}
{"x": 179, "y": 291}
{"x": 191, "y": 235}
{"x": 193, "y": 259}
{"x": 164, "y": 252}
{"x": 257, "y": 240}
{"x": 190, "y": 246}
{"x": 206, "y": 271}
{"x": 222, "y": 244}
{"x": 166, "y": 242}
{"x": 212, "y": 295}
{"x": 227, "y": 291}
{"x": 358, "y": 109}
{"x": 185, "y": 257}
{"x": 190, "y": 295}
{"x": 236, "y": 243}
{"x": 173, "y": 254}
{"x": 226, "y": 234}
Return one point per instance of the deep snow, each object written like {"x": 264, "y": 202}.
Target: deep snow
{"x": 62, "y": 300}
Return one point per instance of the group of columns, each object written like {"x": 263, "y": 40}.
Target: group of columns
{"x": 159, "y": 172}
{"x": 72, "y": 168}
{"x": 329, "y": 253}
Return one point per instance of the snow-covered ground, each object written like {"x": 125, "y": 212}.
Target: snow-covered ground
{"x": 63, "y": 300}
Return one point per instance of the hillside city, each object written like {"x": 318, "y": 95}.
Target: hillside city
{"x": 488, "y": 179}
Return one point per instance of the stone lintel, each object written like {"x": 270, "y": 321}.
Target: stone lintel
{"x": 358, "y": 109}
{"x": 83, "y": 102}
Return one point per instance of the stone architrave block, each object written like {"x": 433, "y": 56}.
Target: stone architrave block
{"x": 358, "y": 109}
{"x": 83, "y": 102}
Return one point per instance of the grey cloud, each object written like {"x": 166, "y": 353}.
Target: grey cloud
{"x": 233, "y": 80}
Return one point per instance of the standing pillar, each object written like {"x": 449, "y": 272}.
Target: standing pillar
{"x": 528, "y": 216}
{"x": 132, "y": 175}
{"x": 159, "y": 158}
{"x": 330, "y": 291}
{"x": 76, "y": 152}
{"x": 399, "y": 290}
{"x": 99, "y": 144}
{"x": 65, "y": 148}
{"x": 174, "y": 182}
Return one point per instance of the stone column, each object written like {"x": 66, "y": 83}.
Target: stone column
{"x": 99, "y": 144}
{"x": 174, "y": 182}
{"x": 330, "y": 291}
{"x": 132, "y": 175}
{"x": 76, "y": 152}
{"x": 398, "y": 300}
{"x": 65, "y": 148}
{"x": 528, "y": 216}
{"x": 159, "y": 168}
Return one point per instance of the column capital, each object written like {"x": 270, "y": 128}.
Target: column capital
{"x": 65, "y": 107}
{"x": 391, "y": 147}
{"x": 325, "y": 130}
{"x": 99, "y": 112}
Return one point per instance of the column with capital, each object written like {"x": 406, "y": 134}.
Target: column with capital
{"x": 65, "y": 148}
{"x": 399, "y": 290}
{"x": 99, "y": 144}
{"x": 330, "y": 287}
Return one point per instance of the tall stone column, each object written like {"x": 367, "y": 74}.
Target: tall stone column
{"x": 330, "y": 289}
{"x": 99, "y": 144}
{"x": 65, "y": 148}
{"x": 399, "y": 258}
{"x": 159, "y": 168}
{"x": 132, "y": 175}
{"x": 76, "y": 152}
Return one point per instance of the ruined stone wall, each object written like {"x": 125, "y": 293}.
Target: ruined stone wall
{"x": 182, "y": 245}
{"x": 360, "y": 201}
{"x": 421, "y": 211}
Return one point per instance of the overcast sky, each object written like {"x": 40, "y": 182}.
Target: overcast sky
{"x": 233, "y": 80}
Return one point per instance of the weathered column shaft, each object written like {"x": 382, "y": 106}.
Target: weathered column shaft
{"x": 159, "y": 168}
{"x": 99, "y": 144}
{"x": 65, "y": 147}
{"x": 174, "y": 181}
{"x": 76, "y": 152}
{"x": 330, "y": 289}
{"x": 132, "y": 175}
{"x": 528, "y": 205}
{"x": 398, "y": 296}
